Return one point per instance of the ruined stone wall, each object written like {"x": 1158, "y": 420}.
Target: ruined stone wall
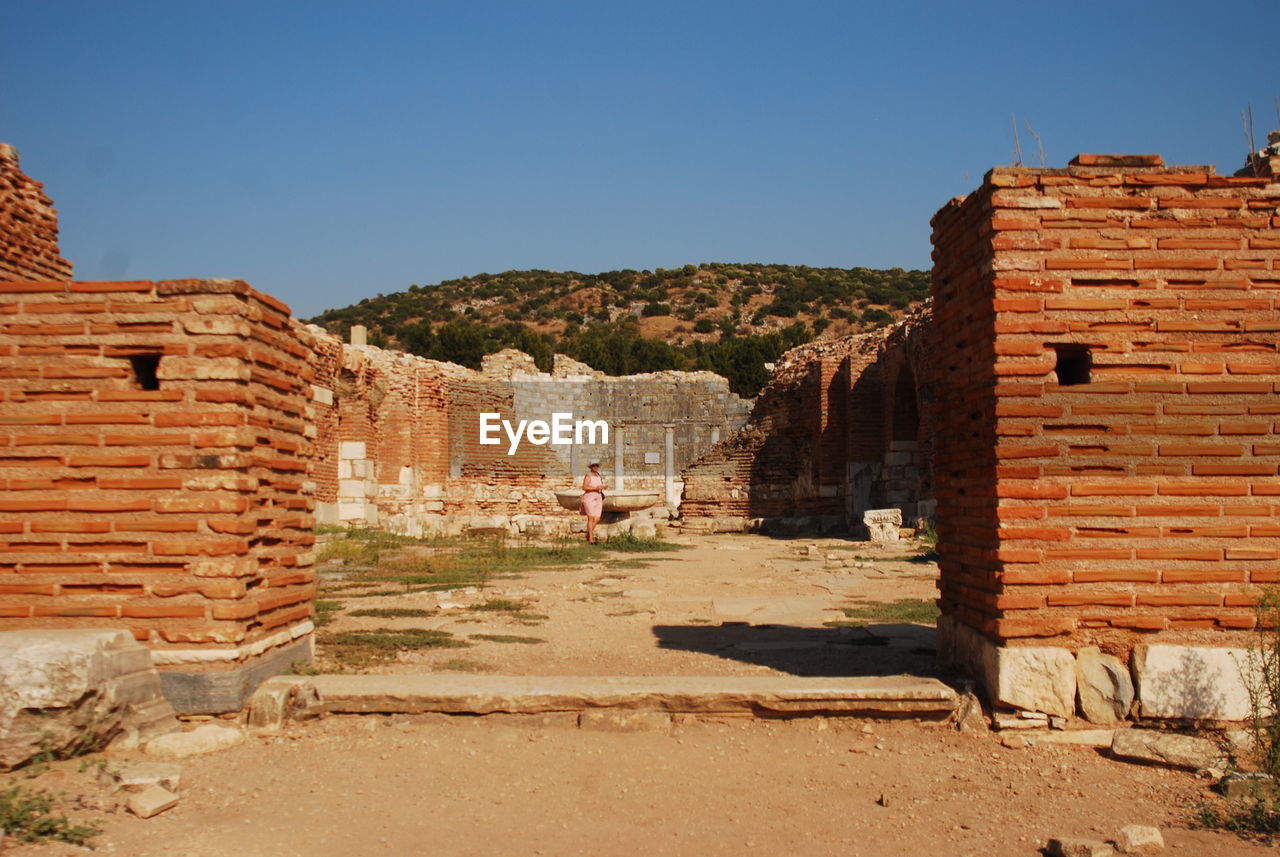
{"x": 1106, "y": 359}
{"x": 399, "y": 442}
{"x": 28, "y": 226}
{"x": 821, "y": 445}
{"x": 154, "y": 473}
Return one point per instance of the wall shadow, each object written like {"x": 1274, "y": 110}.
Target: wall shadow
{"x": 871, "y": 650}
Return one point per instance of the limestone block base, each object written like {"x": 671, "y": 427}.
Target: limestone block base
{"x": 223, "y": 687}
{"x": 1170, "y": 682}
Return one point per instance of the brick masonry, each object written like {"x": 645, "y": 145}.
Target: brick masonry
{"x": 153, "y": 455}
{"x": 398, "y": 437}
{"x": 1107, "y": 353}
{"x": 28, "y": 226}
{"x": 843, "y": 426}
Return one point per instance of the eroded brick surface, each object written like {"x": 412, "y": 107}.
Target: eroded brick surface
{"x": 1107, "y": 361}
{"x": 843, "y": 426}
{"x": 153, "y": 457}
{"x": 28, "y": 226}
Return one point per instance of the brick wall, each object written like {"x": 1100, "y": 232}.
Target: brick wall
{"x": 398, "y": 436}
{"x": 28, "y": 226}
{"x": 1106, "y": 354}
{"x": 820, "y": 446}
{"x": 153, "y": 466}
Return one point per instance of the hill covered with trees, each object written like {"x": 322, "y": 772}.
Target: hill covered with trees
{"x": 730, "y": 319}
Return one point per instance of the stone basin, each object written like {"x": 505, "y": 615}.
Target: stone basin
{"x": 614, "y": 501}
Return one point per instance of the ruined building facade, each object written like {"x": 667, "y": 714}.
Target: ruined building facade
{"x": 398, "y": 437}
{"x": 842, "y": 427}
{"x": 156, "y": 440}
{"x": 1106, "y": 354}
{"x": 1092, "y": 403}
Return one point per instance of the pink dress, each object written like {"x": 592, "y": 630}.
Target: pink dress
{"x": 592, "y": 502}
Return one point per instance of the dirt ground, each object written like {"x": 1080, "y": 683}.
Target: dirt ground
{"x": 728, "y": 605}
{"x": 722, "y": 605}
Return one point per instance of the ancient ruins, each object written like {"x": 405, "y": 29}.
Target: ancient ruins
{"x": 1088, "y": 410}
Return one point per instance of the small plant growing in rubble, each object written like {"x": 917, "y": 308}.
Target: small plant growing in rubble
{"x": 25, "y": 815}
{"x": 1259, "y": 812}
{"x": 1261, "y": 673}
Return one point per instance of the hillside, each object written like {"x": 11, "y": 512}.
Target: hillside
{"x": 730, "y": 319}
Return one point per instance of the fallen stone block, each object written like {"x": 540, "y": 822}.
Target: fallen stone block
{"x": 74, "y": 690}
{"x": 151, "y": 801}
{"x": 207, "y": 739}
{"x": 968, "y": 715}
{"x": 1250, "y": 786}
{"x": 1165, "y": 748}
{"x": 1070, "y": 847}
{"x": 1077, "y": 737}
{"x": 279, "y": 699}
{"x": 138, "y": 776}
{"x": 883, "y": 525}
{"x": 1139, "y": 839}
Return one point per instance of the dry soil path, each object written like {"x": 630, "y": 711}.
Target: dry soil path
{"x": 722, "y": 605}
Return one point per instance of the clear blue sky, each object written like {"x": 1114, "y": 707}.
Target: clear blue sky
{"x": 330, "y": 151}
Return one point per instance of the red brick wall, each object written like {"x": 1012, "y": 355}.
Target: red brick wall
{"x": 28, "y": 226}
{"x": 1144, "y": 500}
{"x": 179, "y": 512}
{"x": 824, "y": 409}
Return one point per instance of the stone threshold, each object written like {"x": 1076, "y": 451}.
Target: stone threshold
{"x": 761, "y": 696}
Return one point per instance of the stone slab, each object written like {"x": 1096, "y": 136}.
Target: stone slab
{"x": 209, "y": 738}
{"x": 1192, "y": 682}
{"x": 228, "y": 690}
{"x": 136, "y": 776}
{"x": 1167, "y": 749}
{"x": 1075, "y": 737}
{"x": 762, "y": 695}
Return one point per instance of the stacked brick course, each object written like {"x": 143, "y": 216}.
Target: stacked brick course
{"x": 153, "y": 465}
{"x": 1107, "y": 353}
{"x": 28, "y": 226}
{"x": 839, "y": 429}
{"x": 398, "y": 436}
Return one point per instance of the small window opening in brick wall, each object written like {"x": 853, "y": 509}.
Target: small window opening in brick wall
{"x": 1074, "y": 365}
{"x": 145, "y": 370}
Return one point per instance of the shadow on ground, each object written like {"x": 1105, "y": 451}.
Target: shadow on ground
{"x": 871, "y": 650}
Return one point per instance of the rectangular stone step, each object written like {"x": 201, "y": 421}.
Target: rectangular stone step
{"x": 758, "y": 695}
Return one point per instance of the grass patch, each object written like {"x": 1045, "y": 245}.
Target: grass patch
{"x": 25, "y": 815}
{"x": 364, "y": 648}
{"x": 505, "y": 638}
{"x": 452, "y": 565}
{"x": 628, "y": 543}
{"x": 361, "y": 546}
{"x": 393, "y": 612}
{"x": 501, "y": 605}
{"x": 1243, "y": 817}
{"x": 325, "y": 611}
{"x": 903, "y": 610}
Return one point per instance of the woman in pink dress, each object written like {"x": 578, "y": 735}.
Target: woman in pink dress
{"x": 592, "y": 502}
